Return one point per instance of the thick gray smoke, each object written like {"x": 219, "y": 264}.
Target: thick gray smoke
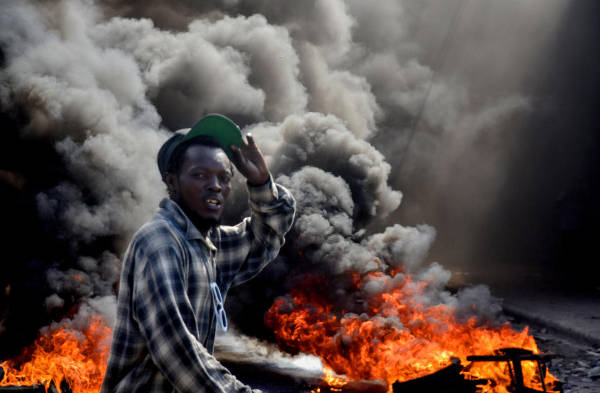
{"x": 331, "y": 89}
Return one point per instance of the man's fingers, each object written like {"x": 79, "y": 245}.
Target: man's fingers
{"x": 250, "y": 161}
{"x": 250, "y": 139}
{"x": 236, "y": 154}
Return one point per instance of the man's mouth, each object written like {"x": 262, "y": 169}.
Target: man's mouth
{"x": 213, "y": 203}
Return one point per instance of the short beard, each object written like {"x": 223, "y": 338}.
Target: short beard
{"x": 203, "y": 224}
{"x": 209, "y": 223}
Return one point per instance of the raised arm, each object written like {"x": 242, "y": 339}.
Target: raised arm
{"x": 245, "y": 249}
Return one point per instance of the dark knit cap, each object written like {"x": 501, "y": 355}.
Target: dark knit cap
{"x": 165, "y": 153}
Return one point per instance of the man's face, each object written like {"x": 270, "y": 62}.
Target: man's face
{"x": 203, "y": 183}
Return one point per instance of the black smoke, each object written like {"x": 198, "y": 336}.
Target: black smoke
{"x": 395, "y": 124}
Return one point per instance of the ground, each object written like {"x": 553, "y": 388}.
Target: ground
{"x": 567, "y": 324}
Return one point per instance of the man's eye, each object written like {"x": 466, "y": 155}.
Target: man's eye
{"x": 225, "y": 179}
{"x": 198, "y": 175}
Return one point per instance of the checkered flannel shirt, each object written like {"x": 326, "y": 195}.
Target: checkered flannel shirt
{"x": 165, "y": 328}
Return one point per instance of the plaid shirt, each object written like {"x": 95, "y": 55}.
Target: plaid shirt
{"x": 165, "y": 328}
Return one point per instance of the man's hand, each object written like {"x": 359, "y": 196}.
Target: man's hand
{"x": 250, "y": 162}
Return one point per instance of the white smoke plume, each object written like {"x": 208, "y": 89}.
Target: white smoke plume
{"x": 234, "y": 346}
{"x": 331, "y": 90}
{"x": 402, "y": 246}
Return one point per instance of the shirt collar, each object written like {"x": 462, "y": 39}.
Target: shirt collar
{"x": 172, "y": 210}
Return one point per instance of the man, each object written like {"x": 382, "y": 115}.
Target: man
{"x": 180, "y": 264}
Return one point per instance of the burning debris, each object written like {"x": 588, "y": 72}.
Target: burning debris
{"x": 396, "y": 336}
{"x": 514, "y": 358}
{"x": 76, "y": 358}
{"x": 64, "y": 388}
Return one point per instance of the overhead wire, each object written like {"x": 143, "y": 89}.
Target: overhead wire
{"x": 442, "y": 51}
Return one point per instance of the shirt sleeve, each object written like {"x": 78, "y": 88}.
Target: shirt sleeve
{"x": 166, "y": 318}
{"x": 245, "y": 249}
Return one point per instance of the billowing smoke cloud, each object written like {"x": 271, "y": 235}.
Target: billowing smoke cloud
{"x": 92, "y": 102}
{"x": 325, "y": 142}
{"x": 402, "y": 246}
{"x": 330, "y": 89}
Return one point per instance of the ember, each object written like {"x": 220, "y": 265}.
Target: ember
{"x": 75, "y": 358}
{"x": 396, "y": 338}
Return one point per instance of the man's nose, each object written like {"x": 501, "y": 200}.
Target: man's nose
{"x": 214, "y": 184}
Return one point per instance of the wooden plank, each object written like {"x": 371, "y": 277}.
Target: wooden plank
{"x": 23, "y": 389}
{"x": 446, "y": 380}
{"x": 64, "y": 386}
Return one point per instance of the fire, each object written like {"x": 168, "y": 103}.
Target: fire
{"x": 396, "y": 338}
{"x": 79, "y": 357}
{"x": 333, "y": 380}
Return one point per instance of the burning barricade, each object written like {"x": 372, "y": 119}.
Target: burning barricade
{"x": 64, "y": 360}
{"x": 398, "y": 344}
{"x": 407, "y": 344}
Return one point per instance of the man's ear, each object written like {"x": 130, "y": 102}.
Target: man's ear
{"x": 172, "y": 185}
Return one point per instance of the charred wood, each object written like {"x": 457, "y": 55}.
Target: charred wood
{"x": 372, "y": 386}
{"x": 446, "y": 380}
{"x": 52, "y": 388}
{"x": 23, "y": 389}
{"x": 65, "y": 387}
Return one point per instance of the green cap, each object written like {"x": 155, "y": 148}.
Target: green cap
{"x": 219, "y": 127}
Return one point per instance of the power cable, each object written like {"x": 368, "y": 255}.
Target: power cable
{"x": 435, "y": 69}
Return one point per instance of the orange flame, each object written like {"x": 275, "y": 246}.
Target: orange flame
{"x": 333, "y": 380}
{"x": 79, "y": 357}
{"x": 397, "y": 338}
